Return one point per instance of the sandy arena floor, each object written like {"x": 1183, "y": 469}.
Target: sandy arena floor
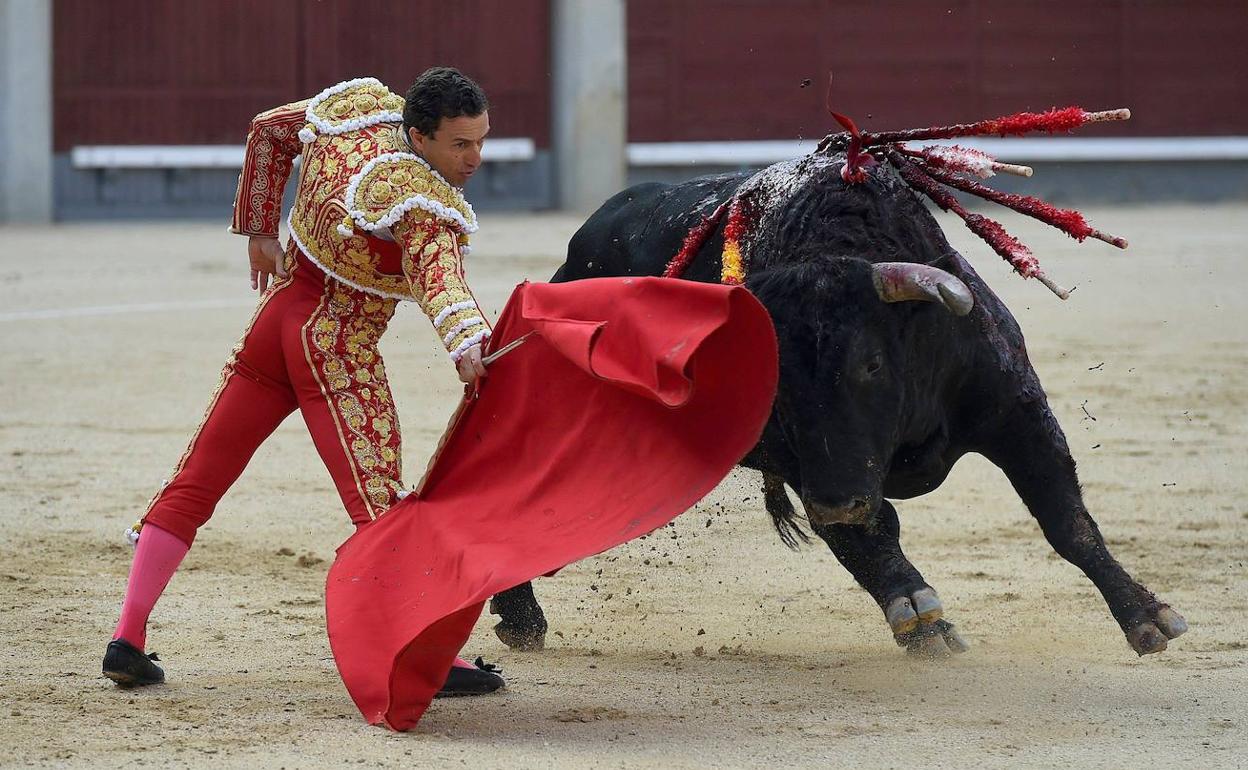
{"x": 708, "y": 643}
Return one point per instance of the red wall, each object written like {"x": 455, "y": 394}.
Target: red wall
{"x": 732, "y": 69}
{"x": 196, "y": 71}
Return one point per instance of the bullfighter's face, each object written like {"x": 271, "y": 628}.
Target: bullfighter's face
{"x": 454, "y": 149}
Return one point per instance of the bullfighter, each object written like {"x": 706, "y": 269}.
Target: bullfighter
{"x": 379, "y": 216}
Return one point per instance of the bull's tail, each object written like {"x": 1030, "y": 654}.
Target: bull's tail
{"x": 784, "y": 516}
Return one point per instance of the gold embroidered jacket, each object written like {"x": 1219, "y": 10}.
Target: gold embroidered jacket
{"x": 367, "y": 210}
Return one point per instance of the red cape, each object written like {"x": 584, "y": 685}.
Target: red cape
{"x": 632, "y": 400}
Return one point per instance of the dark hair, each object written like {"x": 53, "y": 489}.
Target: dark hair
{"x": 441, "y": 92}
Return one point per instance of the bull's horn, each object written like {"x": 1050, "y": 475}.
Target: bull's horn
{"x": 903, "y": 281}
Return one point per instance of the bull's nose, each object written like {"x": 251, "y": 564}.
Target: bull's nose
{"x": 854, "y": 511}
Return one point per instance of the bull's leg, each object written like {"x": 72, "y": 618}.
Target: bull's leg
{"x": 873, "y": 556}
{"x": 523, "y": 624}
{"x": 1036, "y": 459}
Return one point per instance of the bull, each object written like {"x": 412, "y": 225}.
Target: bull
{"x": 896, "y": 360}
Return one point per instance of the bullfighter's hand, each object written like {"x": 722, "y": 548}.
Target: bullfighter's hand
{"x": 267, "y": 259}
{"x": 470, "y": 366}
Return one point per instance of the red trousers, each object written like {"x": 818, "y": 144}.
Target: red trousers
{"x": 311, "y": 345}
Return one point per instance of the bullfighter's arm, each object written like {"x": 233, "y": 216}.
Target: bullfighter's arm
{"x": 434, "y": 265}
{"x": 272, "y": 144}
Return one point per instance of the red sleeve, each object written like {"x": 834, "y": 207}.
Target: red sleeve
{"x": 272, "y": 144}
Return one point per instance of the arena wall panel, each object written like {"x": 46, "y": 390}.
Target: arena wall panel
{"x": 195, "y": 72}
{"x": 713, "y": 70}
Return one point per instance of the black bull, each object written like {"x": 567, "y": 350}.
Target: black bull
{"x": 886, "y": 380}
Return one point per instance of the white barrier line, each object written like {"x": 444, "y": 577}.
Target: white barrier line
{"x": 142, "y": 307}
{"x": 1020, "y": 149}
{"x": 230, "y": 156}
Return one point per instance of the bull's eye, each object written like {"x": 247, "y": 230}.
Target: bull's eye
{"x": 874, "y": 365}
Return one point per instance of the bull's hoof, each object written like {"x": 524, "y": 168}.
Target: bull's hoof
{"x": 933, "y": 640}
{"x": 918, "y": 625}
{"x": 1153, "y": 635}
{"x": 519, "y": 637}
{"x": 523, "y": 624}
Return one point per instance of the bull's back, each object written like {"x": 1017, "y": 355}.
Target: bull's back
{"x": 637, "y": 231}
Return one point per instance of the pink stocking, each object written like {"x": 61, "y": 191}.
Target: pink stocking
{"x": 156, "y": 557}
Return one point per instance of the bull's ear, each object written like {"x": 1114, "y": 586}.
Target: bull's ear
{"x": 906, "y": 281}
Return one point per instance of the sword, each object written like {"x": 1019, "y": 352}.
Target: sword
{"x": 510, "y": 346}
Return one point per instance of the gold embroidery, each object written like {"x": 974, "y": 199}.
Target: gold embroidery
{"x": 359, "y": 101}
{"x": 432, "y": 262}
{"x": 318, "y": 211}
{"x": 344, "y": 332}
{"x": 272, "y": 144}
{"x": 394, "y": 180}
{"x": 330, "y": 161}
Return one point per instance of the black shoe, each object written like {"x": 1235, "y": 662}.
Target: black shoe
{"x": 126, "y": 665}
{"x": 472, "y": 681}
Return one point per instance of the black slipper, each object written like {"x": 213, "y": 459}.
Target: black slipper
{"x": 483, "y": 679}
{"x": 126, "y": 665}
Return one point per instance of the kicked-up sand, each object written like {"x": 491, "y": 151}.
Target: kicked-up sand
{"x": 707, "y": 644}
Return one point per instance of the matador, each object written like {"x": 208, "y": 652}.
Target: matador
{"x": 379, "y": 217}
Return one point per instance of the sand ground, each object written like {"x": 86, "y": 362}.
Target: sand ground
{"x": 706, "y": 645}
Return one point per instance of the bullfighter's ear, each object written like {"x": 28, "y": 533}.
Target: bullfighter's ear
{"x": 905, "y": 281}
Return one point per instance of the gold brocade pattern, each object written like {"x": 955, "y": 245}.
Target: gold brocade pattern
{"x": 272, "y": 144}
{"x": 329, "y": 164}
{"x": 341, "y": 344}
{"x": 432, "y": 263}
{"x": 393, "y": 181}
{"x": 339, "y": 134}
{"x": 357, "y": 102}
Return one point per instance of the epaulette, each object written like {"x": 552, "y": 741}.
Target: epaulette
{"x": 391, "y": 185}
{"x": 350, "y": 106}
